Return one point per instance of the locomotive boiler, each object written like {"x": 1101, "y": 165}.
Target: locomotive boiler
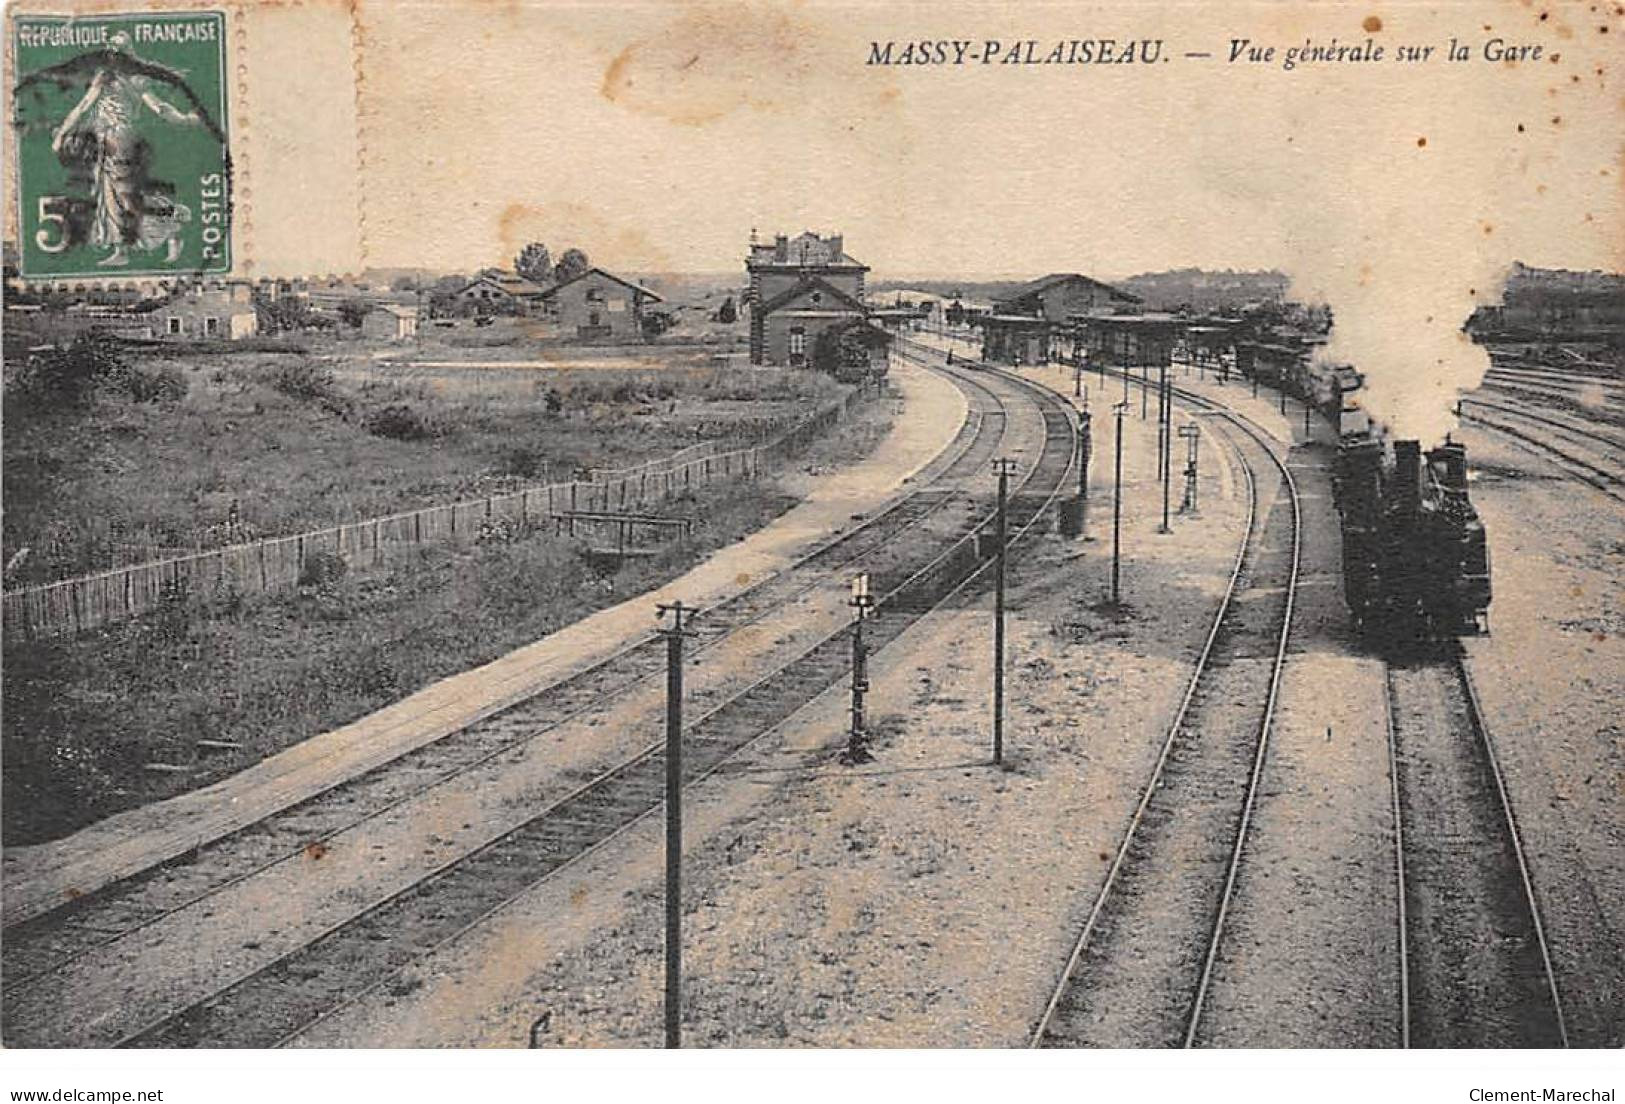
{"x": 1415, "y": 563}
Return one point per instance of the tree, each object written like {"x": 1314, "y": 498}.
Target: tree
{"x": 535, "y": 264}
{"x": 572, "y": 264}
{"x": 353, "y": 311}
{"x": 404, "y": 283}
{"x": 843, "y": 352}
{"x": 443, "y": 295}
{"x": 285, "y": 315}
{"x": 728, "y": 314}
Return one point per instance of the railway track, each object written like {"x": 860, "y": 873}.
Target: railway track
{"x": 1475, "y": 967}
{"x": 39, "y": 946}
{"x": 1139, "y": 972}
{"x": 1535, "y": 436}
{"x": 1578, "y": 372}
{"x": 276, "y": 1002}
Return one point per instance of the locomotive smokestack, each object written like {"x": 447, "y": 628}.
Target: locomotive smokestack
{"x": 1408, "y": 475}
{"x": 1453, "y": 457}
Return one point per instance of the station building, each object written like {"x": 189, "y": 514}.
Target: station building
{"x": 1023, "y": 325}
{"x": 1133, "y": 340}
{"x": 799, "y": 288}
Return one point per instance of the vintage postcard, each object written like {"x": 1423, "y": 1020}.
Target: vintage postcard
{"x": 815, "y": 525}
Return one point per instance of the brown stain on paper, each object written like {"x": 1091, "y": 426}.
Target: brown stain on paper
{"x": 711, "y": 62}
{"x": 563, "y": 225}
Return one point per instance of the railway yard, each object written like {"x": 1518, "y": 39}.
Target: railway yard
{"x": 1222, "y": 818}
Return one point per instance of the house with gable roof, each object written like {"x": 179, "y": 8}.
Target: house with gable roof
{"x": 598, "y": 305}
{"x": 799, "y": 288}
{"x": 1024, "y": 322}
{"x": 1060, "y": 295}
{"x": 496, "y": 291}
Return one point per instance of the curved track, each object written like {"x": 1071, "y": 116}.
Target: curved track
{"x": 278, "y": 1001}
{"x": 1139, "y": 972}
{"x": 39, "y": 946}
{"x": 1536, "y": 437}
{"x": 1475, "y": 966}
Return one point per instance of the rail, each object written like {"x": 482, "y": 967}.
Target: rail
{"x": 1466, "y": 874}
{"x": 1253, "y": 538}
{"x": 463, "y": 892}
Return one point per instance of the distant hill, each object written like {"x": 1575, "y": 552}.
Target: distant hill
{"x": 386, "y": 277}
{"x": 709, "y": 288}
{"x": 964, "y": 290}
{"x": 1206, "y": 291}
{"x": 1555, "y": 284}
{"x": 1555, "y": 304}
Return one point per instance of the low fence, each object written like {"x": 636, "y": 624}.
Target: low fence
{"x": 278, "y": 564}
{"x": 663, "y": 464}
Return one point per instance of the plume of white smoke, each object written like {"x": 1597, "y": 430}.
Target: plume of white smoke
{"x": 1401, "y": 276}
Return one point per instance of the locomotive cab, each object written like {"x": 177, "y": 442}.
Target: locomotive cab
{"x": 1462, "y": 541}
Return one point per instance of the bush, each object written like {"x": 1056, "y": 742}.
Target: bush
{"x": 322, "y": 569}
{"x": 303, "y": 380}
{"x": 69, "y": 376}
{"x": 161, "y": 384}
{"x": 309, "y": 382}
{"x": 353, "y": 311}
{"x": 656, "y": 323}
{"x": 402, "y": 422}
{"x": 524, "y": 461}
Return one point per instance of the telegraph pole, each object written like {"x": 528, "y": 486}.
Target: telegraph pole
{"x": 1159, "y": 424}
{"x": 1117, "y": 506}
{"x": 857, "y": 741}
{"x": 1145, "y": 389}
{"x": 1165, "y": 425}
{"x": 674, "y": 635}
{"x": 1085, "y": 447}
{"x": 1003, "y": 468}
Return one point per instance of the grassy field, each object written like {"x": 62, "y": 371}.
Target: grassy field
{"x": 524, "y": 339}
{"x": 265, "y": 444}
{"x": 85, "y": 717}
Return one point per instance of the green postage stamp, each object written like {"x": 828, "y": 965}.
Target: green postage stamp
{"x": 123, "y": 162}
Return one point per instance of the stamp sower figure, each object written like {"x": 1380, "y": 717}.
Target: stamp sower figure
{"x": 101, "y": 129}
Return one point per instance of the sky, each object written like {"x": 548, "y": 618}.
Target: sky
{"x": 656, "y": 136}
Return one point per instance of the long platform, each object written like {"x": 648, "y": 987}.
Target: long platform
{"x": 41, "y": 877}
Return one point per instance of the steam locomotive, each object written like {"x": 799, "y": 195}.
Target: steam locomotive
{"x": 1416, "y": 565}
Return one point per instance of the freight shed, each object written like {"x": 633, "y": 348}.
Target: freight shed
{"x": 1015, "y": 339}
{"x": 1133, "y": 340}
